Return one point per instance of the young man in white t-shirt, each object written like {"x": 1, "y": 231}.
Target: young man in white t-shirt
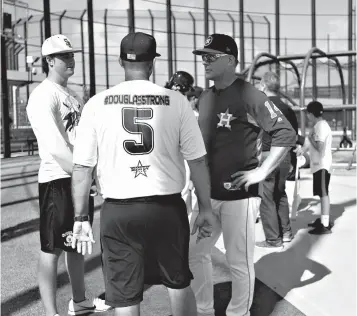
{"x": 54, "y": 111}
{"x": 138, "y": 134}
{"x": 319, "y": 144}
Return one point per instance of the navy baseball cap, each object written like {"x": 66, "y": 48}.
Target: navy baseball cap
{"x": 138, "y": 47}
{"x": 219, "y": 44}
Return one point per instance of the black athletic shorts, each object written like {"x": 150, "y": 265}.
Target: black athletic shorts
{"x": 56, "y": 215}
{"x": 144, "y": 241}
{"x": 321, "y": 181}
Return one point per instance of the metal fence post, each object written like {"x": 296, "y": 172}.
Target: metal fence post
{"x": 60, "y": 21}
{"x": 269, "y": 36}
{"x": 47, "y": 16}
{"x": 131, "y": 16}
{"x": 233, "y": 26}
{"x": 169, "y": 37}
{"x": 194, "y": 44}
{"x": 277, "y": 33}
{"x": 206, "y": 31}
{"x": 213, "y": 21}
{"x": 92, "y": 86}
{"x": 253, "y": 39}
{"x": 313, "y": 43}
{"x": 174, "y": 41}
{"x": 152, "y": 33}
{"x": 241, "y": 35}
{"x": 106, "y": 48}
{"x": 82, "y": 44}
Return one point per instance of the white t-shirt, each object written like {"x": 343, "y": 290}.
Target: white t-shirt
{"x": 138, "y": 134}
{"x": 322, "y": 133}
{"x": 54, "y": 112}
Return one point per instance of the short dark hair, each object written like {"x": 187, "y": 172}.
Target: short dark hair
{"x": 315, "y": 108}
{"x": 272, "y": 81}
{"x": 45, "y": 67}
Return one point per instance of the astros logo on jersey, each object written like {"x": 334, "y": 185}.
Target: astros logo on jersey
{"x": 225, "y": 119}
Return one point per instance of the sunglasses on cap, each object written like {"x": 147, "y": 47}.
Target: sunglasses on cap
{"x": 211, "y": 58}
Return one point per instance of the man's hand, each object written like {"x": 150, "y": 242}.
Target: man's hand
{"x": 299, "y": 151}
{"x": 247, "y": 178}
{"x": 82, "y": 237}
{"x": 204, "y": 223}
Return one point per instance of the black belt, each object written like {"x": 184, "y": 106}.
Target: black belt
{"x": 148, "y": 199}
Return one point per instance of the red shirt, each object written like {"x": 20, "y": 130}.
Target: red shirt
{"x": 232, "y": 122}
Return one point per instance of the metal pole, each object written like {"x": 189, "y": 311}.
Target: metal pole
{"x": 194, "y": 45}
{"x": 169, "y": 37}
{"x": 269, "y": 37}
{"x": 91, "y": 48}
{"x": 174, "y": 41}
{"x": 233, "y": 25}
{"x": 350, "y": 47}
{"x": 26, "y": 67}
{"x": 82, "y": 44}
{"x": 4, "y": 93}
{"x": 152, "y": 33}
{"x": 41, "y": 29}
{"x": 286, "y": 70}
{"x": 106, "y": 48}
{"x": 47, "y": 16}
{"x": 60, "y": 21}
{"x": 277, "y": 33}
{"x": 131, "y": 16}
{"x": 213, "y": 21}
{"x": 328, "y": 68}
{"x": 206, "y": 31}
{"x": 252, "y": 24}
{"x": 313, "y": 43}
{"x": 241, "y": 35}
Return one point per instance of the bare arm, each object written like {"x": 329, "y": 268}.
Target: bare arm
{"x": 201, "y": 181}
{"x": 81, "y": 183}
{"x": 275, "y": 157}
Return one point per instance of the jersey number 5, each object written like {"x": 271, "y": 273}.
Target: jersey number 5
{"x": 273, "y": 115}
{"x": 131, "y": 124}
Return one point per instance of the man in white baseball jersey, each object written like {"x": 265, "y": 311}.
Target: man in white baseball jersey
{"x": 54, "y": 111}
{"x": 137, "y": 134}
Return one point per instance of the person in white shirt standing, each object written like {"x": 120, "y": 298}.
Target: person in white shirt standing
{"x": 137, "y": 134}
{"x": 54, "y": 111}
{"x": 319, "y": 144}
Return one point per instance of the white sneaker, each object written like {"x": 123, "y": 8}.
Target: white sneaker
{"x": 100, "y": 305}
{"x": 80, "y": 308}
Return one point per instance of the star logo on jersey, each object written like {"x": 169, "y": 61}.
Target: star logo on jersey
{"x": 140, "y": 169}
{"x": 225, "y": 119}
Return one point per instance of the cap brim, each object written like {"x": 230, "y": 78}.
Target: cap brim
{"x": 64, "y": 52}
{"x": 206, "y": 51}
{"x": 157, "y": 55}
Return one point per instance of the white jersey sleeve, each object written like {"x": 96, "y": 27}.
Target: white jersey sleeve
{"x": 191, "y": 141}
{"x": 86, "y": 147}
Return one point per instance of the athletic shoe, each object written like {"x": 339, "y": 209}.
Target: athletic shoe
{"x": 288, "y": 236}
{"x": 100, "y": 305}
{"x": 317, "y": 223}
{"x": 321, "y": 230}
{"x": 80, "y": 308}
{"x": 267, "y": 244}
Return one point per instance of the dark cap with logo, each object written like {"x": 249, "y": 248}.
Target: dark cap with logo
{"x": 138, "y": 47}
{"x": 219, "y": 44}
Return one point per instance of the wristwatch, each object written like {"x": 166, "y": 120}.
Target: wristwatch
{"x": 81, "y": 218}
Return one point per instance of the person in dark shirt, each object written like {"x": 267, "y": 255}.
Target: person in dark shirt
{"x": 232, "y": 116}
{"x": 274, "y": 208}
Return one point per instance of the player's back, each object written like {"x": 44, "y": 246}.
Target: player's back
{"x": 138, "y": 126}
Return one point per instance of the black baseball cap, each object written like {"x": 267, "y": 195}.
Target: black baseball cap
{"x": 219, "y": 44}
{"x": 315, "y": 108}
{"x": 138, "y": 47}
